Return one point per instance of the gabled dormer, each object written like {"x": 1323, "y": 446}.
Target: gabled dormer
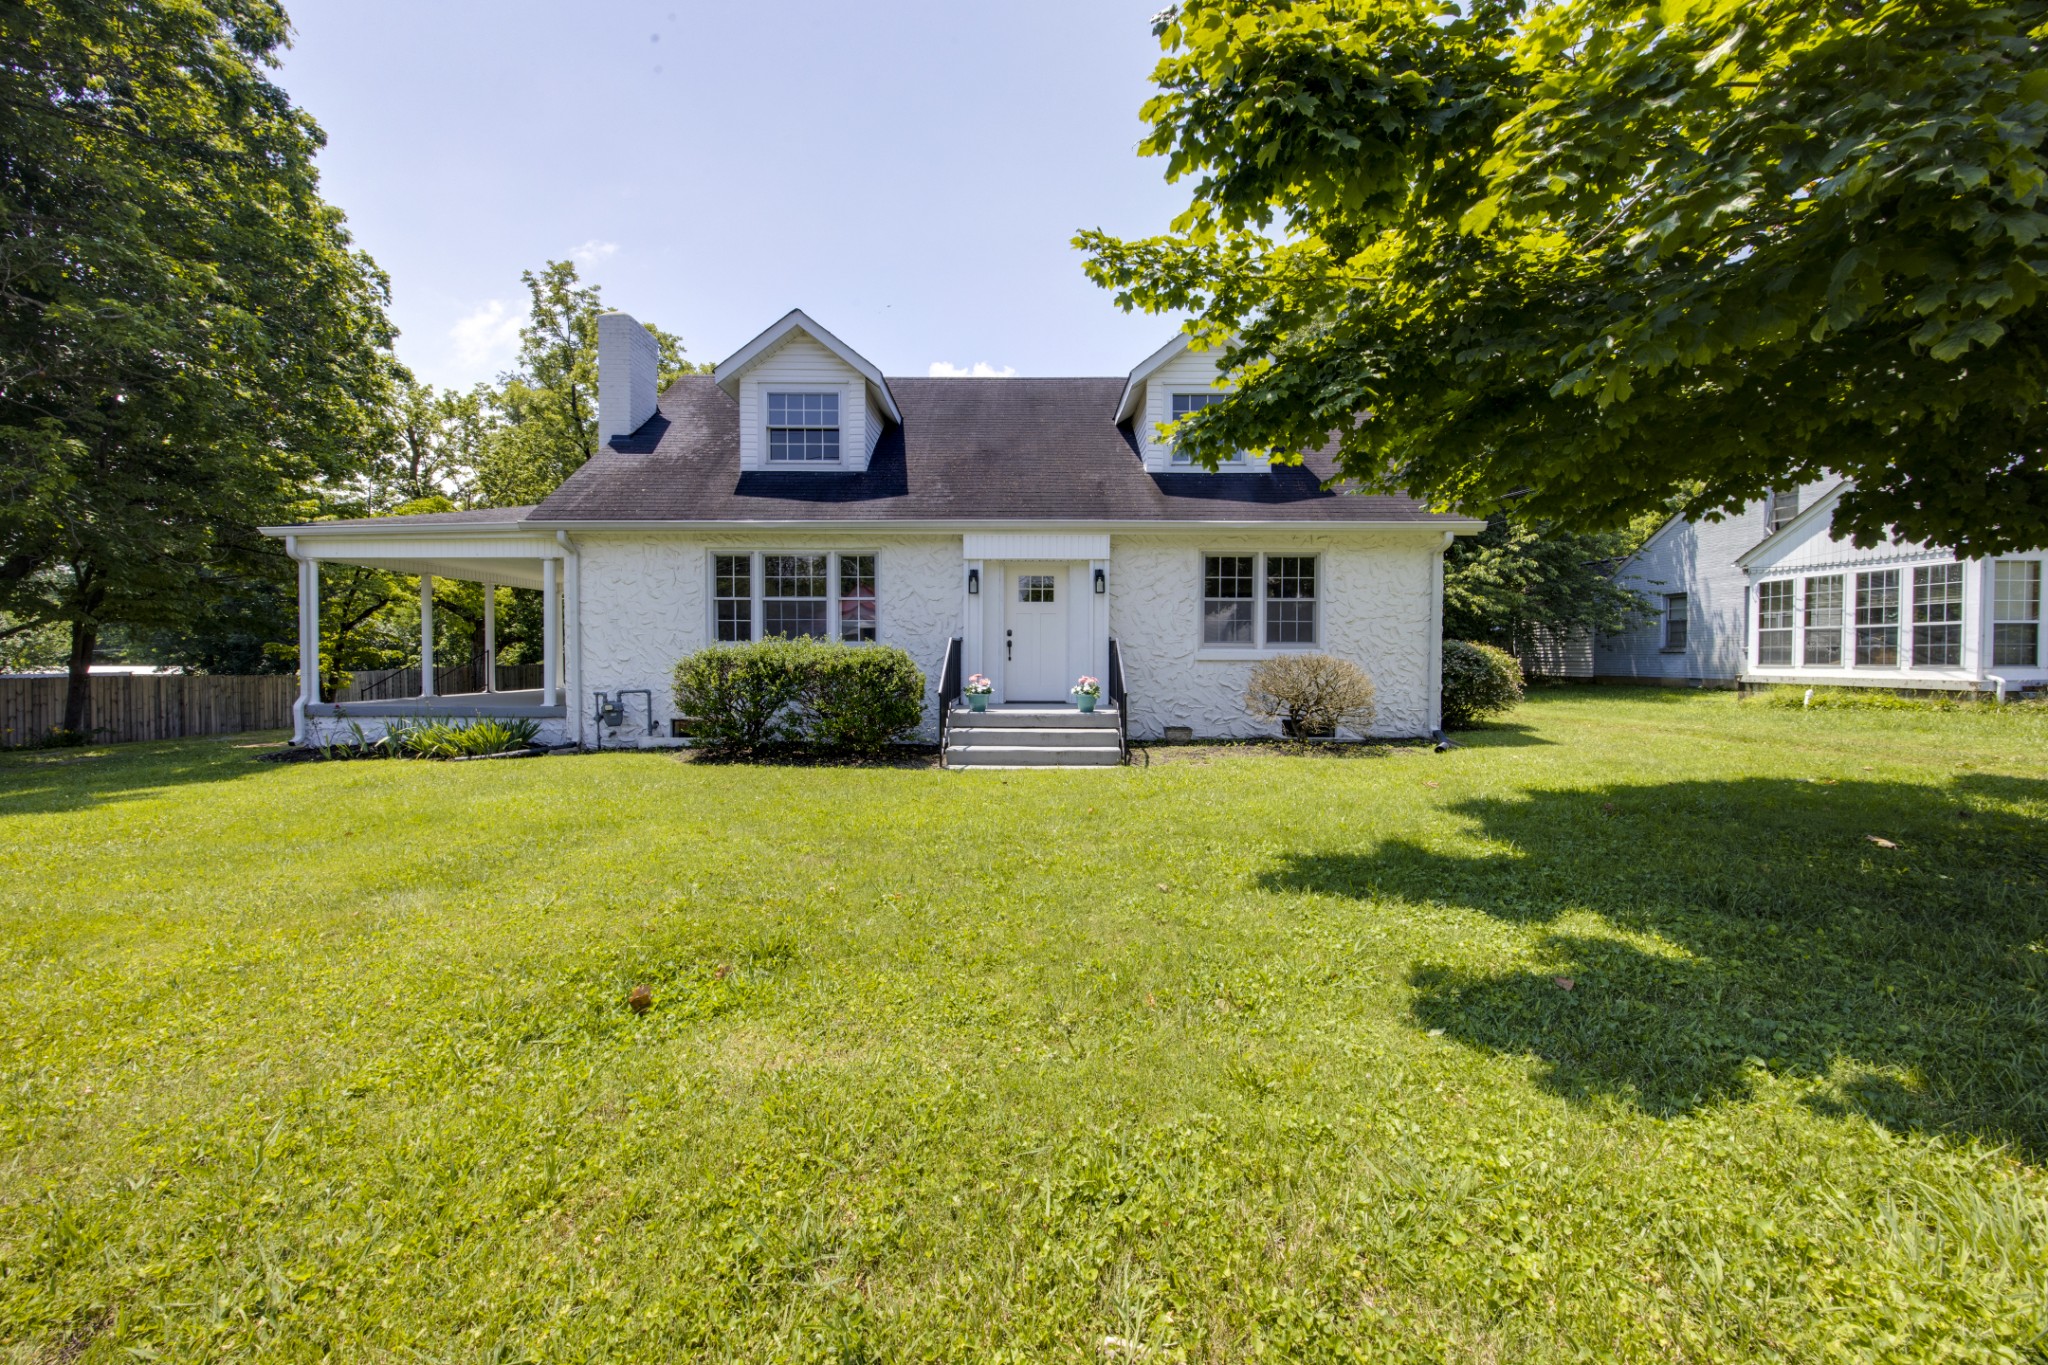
{"x": 1173, "y": 381}
{"x": 809, "y": 403}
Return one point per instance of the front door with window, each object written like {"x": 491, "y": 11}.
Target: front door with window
{"x": 1036, "y": 619}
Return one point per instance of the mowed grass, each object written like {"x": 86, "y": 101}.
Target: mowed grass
{"x": 1610, "y": 1035}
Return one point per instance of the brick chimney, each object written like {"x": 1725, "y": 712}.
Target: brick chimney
{"x": 627, "y": 365}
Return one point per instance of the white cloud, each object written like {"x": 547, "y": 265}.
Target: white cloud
{"x": 488, "y": 339}
{"x": 593, "y": 251}
{"x": 946, "y": 369}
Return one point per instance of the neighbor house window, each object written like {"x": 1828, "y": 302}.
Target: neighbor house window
{"x": 1677, "y": 620}
{"x": 1938, "y": 615}
{"x": 1781, "y": 508}
{"x": 1823, "y": 621}
{"x": 2016, "y": 613}
{"x": 733, "y": 593}
{"x": 1185, "y": 403}
{"x": 1877, "y": 619}
{"x": 1774, "y": 624}
{"x": 856, "y": 598}
{"x": 803, "y": 428}
{"x": 1251, "y": 598}
{"x": 762, "y": 595}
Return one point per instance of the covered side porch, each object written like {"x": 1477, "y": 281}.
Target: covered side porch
{"x": 491, "y": 549}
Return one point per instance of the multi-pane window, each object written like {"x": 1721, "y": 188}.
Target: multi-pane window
{"x": 1774, "y": 624}
{"x": 794, "y": 600}
{"x": 2016, "y": 613}
{"x": 733, "y": 596}
{"x": 759, "y": 596}
{"x": 803, "y": 428}
{"x": 1035, "y": 587}
{"x": 1185, "y": 403}
{"x": 1677, "y": 620}
{"x": 1877, "y": 619}
{"x": 1937, "y": 615}
{"x": 1823, "y": 621}
{"x": 1249, "y": 598}
{"x": 1782, "y": 507}
{"x": 856, "y": 598}
{"x": 1290, "y": 599}
{"x": 1229, "y": 599}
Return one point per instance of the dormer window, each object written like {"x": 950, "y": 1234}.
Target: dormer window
{"x": 1186, "y": 403}
{"x": 803, "y": 428}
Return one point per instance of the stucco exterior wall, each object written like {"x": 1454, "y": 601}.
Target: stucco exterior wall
{"x": 1378, "y": 609}
{"x": 646, "y": 604}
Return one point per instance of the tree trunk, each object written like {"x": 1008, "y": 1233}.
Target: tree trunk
{"x": 85, "y": 637}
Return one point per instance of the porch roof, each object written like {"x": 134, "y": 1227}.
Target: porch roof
{"x": 489, "y": 546}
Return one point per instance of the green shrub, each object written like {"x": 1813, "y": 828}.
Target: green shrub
{"x": 861, "y": 697}
{"x": 747, "y": 695}
{"x": 853, "y": 697}
{"x": 1479, "y": 680}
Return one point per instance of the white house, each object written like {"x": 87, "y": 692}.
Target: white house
{"x": 1031, "y": 530}
{"x": 1771, "y": 595}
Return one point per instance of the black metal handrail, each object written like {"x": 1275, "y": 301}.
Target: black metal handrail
{"x": 949, "y": 690}
{"x": 1120, "y": 699}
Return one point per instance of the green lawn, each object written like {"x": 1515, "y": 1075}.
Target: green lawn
{"x": 1610, "y": 1035}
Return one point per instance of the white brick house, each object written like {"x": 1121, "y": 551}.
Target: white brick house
{"x": 1017, "y": 528}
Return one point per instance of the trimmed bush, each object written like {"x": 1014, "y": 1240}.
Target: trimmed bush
{"x": 1311, "y": 694}
{"x": 853, "y": 697}
{"x": 1479, "y": 680}
{"x": 862, "y": 697}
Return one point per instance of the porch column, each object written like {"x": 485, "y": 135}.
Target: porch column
{"x": 426, "y": 635}
{"x": 550, "y": 634}
{"x": 572, "y": 638}
{"x": 309, "y": 648}
{"x": 490, "y": 637}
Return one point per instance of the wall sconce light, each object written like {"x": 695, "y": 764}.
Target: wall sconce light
{"x": 1101, "y": 582}
{"x": 974, "y": 582}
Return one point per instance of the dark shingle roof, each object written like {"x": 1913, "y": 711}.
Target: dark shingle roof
{"x": 967, "y": 450}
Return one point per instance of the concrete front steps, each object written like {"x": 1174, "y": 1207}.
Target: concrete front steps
{"x": 1032, "y": 737}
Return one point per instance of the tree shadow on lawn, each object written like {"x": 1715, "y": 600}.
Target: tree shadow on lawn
{"x": 1909, "y": 983}
{"x": 1496, "y": 734}
{"x": 45, "y": 781}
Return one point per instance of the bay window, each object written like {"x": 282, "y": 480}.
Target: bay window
{"x": 1774, "y": 624}
{"x": 2016, "y": 613}
{"x": 1823, "y": 637}
{"x": 1877, "y": 619}
{"x": 1937, "y": 616}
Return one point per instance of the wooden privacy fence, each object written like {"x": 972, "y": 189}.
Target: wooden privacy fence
{"x": 132, "y": 706}
{"x": 396, "y": 684}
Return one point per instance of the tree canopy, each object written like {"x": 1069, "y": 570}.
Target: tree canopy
{"x": 189, "y": 343}
{"x": 1585, "y": 256}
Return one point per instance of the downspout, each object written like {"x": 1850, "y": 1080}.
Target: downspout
{"x": 572, "y": 636}
{"x": 1436, "y": 642}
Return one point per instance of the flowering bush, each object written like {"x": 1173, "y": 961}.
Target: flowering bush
{"x": 1085, "y": 686}
{"x": 977, "y": 686}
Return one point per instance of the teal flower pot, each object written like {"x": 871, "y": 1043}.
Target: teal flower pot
{"x": 1085, "y": 702}
{"x": 977, "y": 701}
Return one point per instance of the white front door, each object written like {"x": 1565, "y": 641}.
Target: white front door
{"x": 1036, "y": 619}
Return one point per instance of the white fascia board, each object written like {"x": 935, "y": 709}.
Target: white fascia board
{"x": 1433, "y": 528}
{"x": 1127, "y": 405}
{"x": 1796, "y": 530}
{"x": 400, "y": 526}
{"x": 727, "y": 375}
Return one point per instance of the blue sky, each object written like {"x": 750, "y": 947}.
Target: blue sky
{"x": 909, "y": 174}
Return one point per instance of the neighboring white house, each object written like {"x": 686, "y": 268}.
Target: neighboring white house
{"x": 1770, "y": 595}
{"x": 1033, "y": 521}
